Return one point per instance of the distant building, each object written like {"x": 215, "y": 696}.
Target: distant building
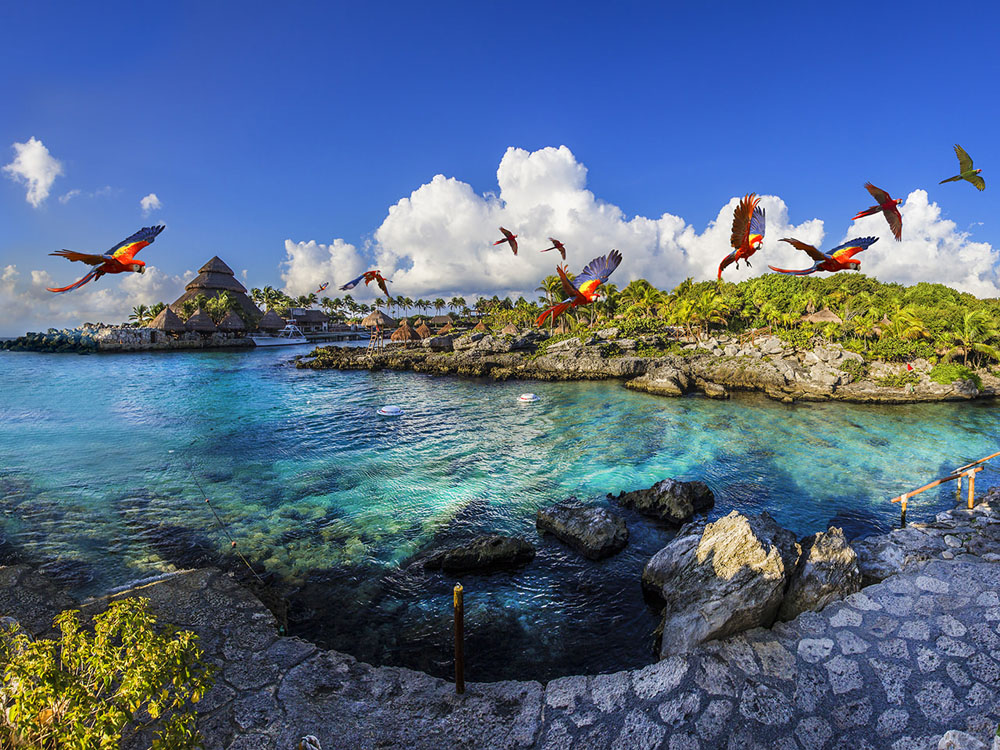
{"x": 213, "y": 278}
{"x": 309, "y": 321}
{"x": 442, "y": 320}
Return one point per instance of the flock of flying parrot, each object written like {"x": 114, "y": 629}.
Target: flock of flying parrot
{"x": 747, "y": 237}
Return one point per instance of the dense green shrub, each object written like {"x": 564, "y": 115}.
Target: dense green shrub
{"x": 949, "y": 372}
{"x": 893, "y": 349}
{"x": 89, "y": 691}
{"x": 899, "y": 380}
{"x": 857, "y": 370}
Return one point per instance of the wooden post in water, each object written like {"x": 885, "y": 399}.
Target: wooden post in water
{"x": 972, "y": 486}
{"x": 459, "y": 638}
{"x": 902, "y": 512}
{"x": 958, "y": 491}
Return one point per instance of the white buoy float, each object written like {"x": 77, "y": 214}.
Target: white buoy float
{"x": 390, "y": 411}
{"x": 528, "y": 397}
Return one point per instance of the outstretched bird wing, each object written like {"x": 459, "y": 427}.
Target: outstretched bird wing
{"x": 812, "y": 251}
{"x": 877, "y": 193}
{"x": 803, "y": 272}
{"x": 977, "y": 180}
{"x": 352, "y": 283}
{"x": 852, "y": 247}
{"x": 125, "y": 250}
{"x": 599, "y": 268}
{"x": 381, "y": 283}
{"x": 743, "y": 216}
{"x": 89, "y": 258}
{"x": 895, "y": 220}
{"x": 964, "y": 160}
{"x": 509, "y": 238}
{"x": 569, "y": 288}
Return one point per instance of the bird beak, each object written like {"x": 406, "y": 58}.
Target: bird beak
{"x": 142, "y": 269}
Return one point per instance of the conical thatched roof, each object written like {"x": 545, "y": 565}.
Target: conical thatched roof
{"x": 232, "y": 322}
{"x": 509, "y": 330}
{"x": 423, "y": 331}
{"x": 481, "y": 327}
{"x": 213, "y": 278}
{"x": 271, "y": 322}
{"x": 441, "y": 320}
{"x": 404, "y": 333}
{"x": 169, "y": 321}
{"x": 447, "y": 328}
{"x": 201, "y": 322}
{"x": 823, "y": 316}
{"x": 378, "y": 318}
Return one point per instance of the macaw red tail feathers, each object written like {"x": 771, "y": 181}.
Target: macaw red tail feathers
{"x": 555, "y": 311}
{"x": 725, "y": 262}
{"x": 803, "y": 272}
{"x": 867, "y": 212}
{"x": 77, "y": 284}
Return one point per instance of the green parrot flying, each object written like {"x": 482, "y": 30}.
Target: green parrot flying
{"x": 967, "y": 173}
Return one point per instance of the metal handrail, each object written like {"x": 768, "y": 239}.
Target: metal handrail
{"x": 969, "y": 470}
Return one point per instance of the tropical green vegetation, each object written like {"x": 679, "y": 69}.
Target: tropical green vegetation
{"x": 92, "y": 688}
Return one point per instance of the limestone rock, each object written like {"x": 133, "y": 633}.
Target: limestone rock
{"x": 727, "y": 579}
{"x": 827, "y": 570}
{"x": 440, "y": 343}
{"x": 483, "y": 553}
{"x": 468, "y": 341}
{"x": 594, "y": 532}
{"x": 957, "y": 740}
{"x": 669, "y": 500}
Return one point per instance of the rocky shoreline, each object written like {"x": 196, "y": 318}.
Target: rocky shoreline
{"x": 91, "y": 339}
{"x": 715, "y": 367}
{"x": 901, "y": 664}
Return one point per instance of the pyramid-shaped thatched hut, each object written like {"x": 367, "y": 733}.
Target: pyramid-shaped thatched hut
{"x": 215, "y": 277}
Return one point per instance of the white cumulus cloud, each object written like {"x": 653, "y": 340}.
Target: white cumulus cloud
{"x": 150, "y": 203}
{"x": 34, "y": 166}
{"x": 438, "y": 240}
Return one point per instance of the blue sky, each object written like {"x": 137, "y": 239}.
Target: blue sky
{"x": 256, "y": 123}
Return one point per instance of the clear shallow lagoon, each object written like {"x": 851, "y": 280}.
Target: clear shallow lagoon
{"x": 101, "y": 457}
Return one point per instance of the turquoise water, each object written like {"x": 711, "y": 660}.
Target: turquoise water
{"x": 101, "y": 458}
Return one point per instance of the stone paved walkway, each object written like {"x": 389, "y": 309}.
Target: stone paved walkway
{"x": 894, "y": 666}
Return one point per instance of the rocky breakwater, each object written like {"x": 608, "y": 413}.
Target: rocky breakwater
{"x": 656, "y": 364}
{"x": 739, "y": 573}
{"x": 120, "y": 339}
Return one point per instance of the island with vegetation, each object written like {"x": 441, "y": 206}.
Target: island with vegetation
{"x": 845, "y": 337}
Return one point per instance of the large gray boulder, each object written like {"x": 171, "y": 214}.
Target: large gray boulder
{"x": 827, "y": 571}
{"x": 593, "y": 532}
{"x": 727, "y": 579}
{"x": 483, "y": 554}
{"x": 443, "y": 343}
{"x": 669, "y": 500}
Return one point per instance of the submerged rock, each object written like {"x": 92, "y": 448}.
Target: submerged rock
{"x": 727, "y": 579}
{"x": 593, "y": 532}
{"x": 669, "y": 500}
{"x": 827, "y": 571}
{"x": 482, "y": 554}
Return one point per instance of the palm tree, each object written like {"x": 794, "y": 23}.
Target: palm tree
{"x": 974, "y": 334}
{"x": 140, "y": 314}
{"x": 907, "y": 324}
{"x": 439, "y": 305}
{"x": 710, "y": 307}
{"x": 456, "y": 303}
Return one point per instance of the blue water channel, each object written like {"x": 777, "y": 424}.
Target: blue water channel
{"x": 105, "y": 462}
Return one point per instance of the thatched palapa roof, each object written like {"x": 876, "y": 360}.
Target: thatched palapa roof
{"x": 441, "y": 320}
{"x": 423, "y": 331}
{"x": 215, "y": 277}
{"x": 201, "y": 322}
{"x": 823, "y": 316}
{"x": 169, "y": 321}
{"x": 481, "y": 327}
{"x": 232, "y": 323}
{"x": 404, "y": 333}
{"x": 448, "y": 328}
{"x": 378, "y": 318}
{"x": 510, "y": 330}
{"x": 271, "y": 321}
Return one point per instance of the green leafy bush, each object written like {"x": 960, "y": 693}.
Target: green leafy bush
{"x": 611, "y": 349}
{"x": 899, "y": 380}
{"x": 893, "y": 349}
{"x": 856, "y": 369}
{"x": 949, "y": 372}
{"x": 89, "y": 691}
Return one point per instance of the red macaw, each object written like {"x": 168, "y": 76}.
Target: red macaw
{"x": 556, "y": 245}
{"x": 508, "y": 236}
{"x": 322, "y": 287}
{"x": 748, "y": 232}
{"x": 118, "y": 259}
{"x": 887, "y": 206}
{"x": 369, "y": 276}
{"x": 585, "y": 291}
{"x": 967, "y": 172}
{"x": 838, "y": 259}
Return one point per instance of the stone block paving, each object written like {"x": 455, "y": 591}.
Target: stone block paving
{"x": 893, "y": 666}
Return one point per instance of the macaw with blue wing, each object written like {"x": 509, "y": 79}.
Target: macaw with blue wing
{"x": 838, "y": 259}
{"x": 748, "y": 232}
{"x": 369, "y": 276}
{"x": 322, "y": 287}
{"x": 587, "y": 284}
{"x": 118, "y": 259}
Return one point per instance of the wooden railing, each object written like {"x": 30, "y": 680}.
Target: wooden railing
{"x": 969, "y": 470}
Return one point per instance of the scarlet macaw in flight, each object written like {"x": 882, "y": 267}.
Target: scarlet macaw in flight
{"x": 118, "y": 259}
{"x": 966, "y": 171}
{"x": 369, "y": 276}
{"x": 556, "y": 245}
{"x": 887, "y": 206}
{"x": 508, "y": 236}
{"x": 748, "y": 232}
{"x": 838, "y": 259}
{"x": 322, "y": 287}
{"x": 585, "y": 291}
